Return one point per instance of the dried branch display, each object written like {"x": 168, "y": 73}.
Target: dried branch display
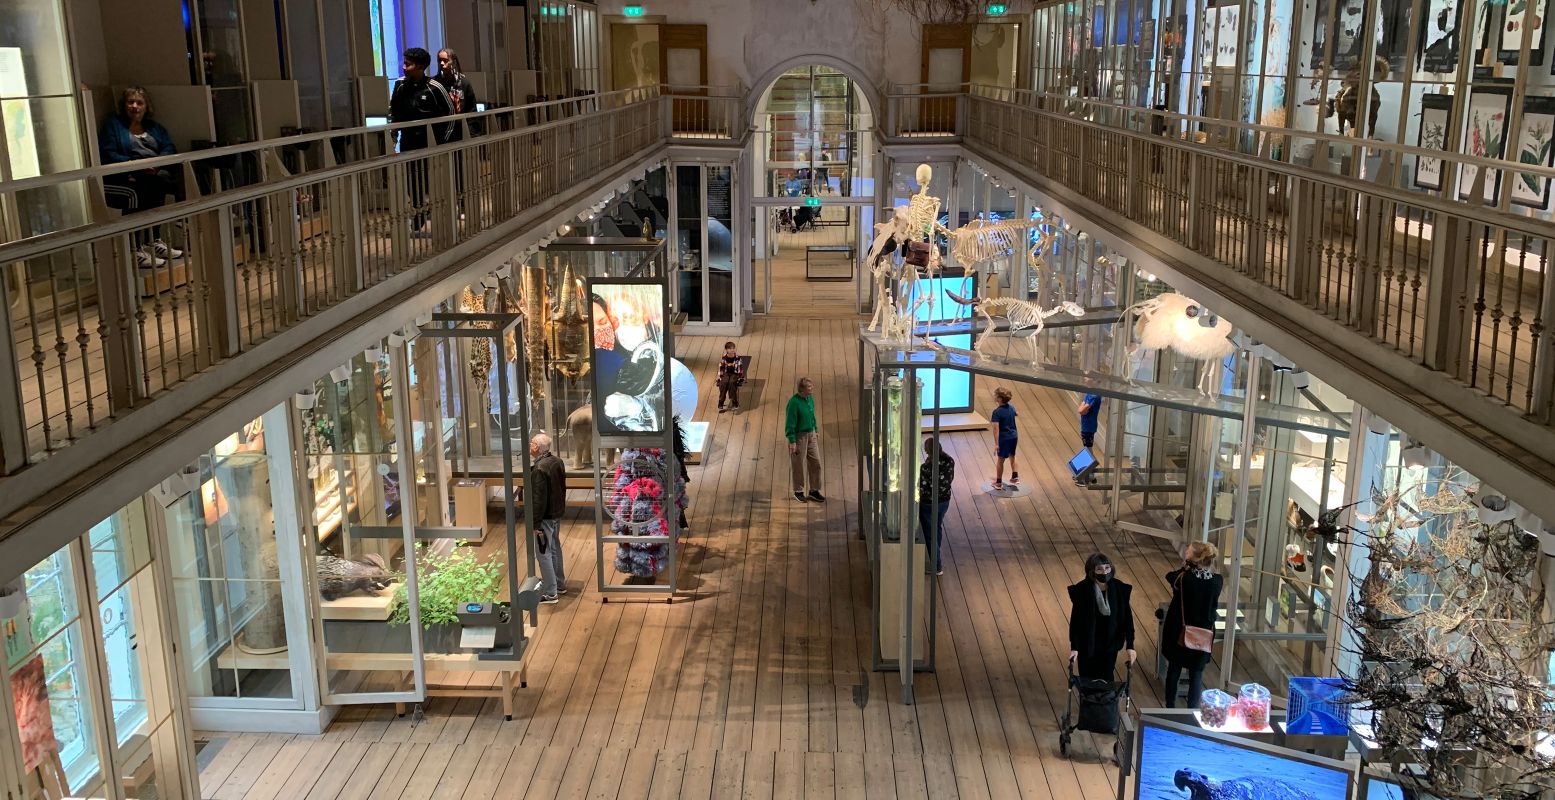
{"x": 534, "y": 299}
{"x": 1453, "y": 642}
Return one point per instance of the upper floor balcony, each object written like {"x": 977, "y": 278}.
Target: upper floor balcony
{"x": 144, "y": 316}
{"x": 1439, "y": 285}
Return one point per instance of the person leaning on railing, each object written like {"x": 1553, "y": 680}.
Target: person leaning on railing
{"x": 130, "y": 134}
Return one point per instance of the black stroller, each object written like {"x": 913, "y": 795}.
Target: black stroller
{"x": 1098, "y": 702}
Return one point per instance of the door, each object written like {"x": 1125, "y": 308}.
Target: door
{"x": 683, "y": 60}
{"x": 947, "y": 63}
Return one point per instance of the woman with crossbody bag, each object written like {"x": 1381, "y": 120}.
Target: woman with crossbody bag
{"x": 1188, "y": 635}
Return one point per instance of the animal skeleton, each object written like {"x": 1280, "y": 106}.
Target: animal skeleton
{"x": 1022, "y": 314}
{"x": 1175, "y": 321}
{"x": 982, "y": 241}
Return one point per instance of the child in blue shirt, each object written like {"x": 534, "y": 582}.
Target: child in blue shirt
{"x": 1090, "y": 409}
{"x": 1007, "y": 438}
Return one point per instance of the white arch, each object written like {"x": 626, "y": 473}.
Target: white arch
{"x": 871, "y": 94}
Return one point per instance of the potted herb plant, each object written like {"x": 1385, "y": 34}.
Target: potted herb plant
{"x": 446, "y": 582}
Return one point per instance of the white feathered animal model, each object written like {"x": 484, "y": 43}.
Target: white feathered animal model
{"x": 1178, "y": 322}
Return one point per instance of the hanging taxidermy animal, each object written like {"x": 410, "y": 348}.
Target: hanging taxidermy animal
{"x": 536, "y": 324}
{"x": 1021, "y": 314}
{"x": 570, "y": 327}
{"x": 1180, "y": 323}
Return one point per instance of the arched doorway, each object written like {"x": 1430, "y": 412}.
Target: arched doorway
{"x": 813, "y": 184}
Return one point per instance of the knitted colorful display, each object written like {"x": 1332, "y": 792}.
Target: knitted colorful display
{"x": 638, "y": 499}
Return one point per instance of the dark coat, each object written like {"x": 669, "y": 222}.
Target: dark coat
{"x": 1195, "y": 600}
{"x": 114, "y": 143}
{"x": 550, "y": 487}
{"x": 417, "y": 100}
{"x": 1119, "y": 631}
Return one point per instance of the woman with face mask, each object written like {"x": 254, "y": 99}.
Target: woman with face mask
{"x": 1102, "y": 621}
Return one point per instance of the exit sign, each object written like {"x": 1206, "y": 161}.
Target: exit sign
{"x": 812, "y": 202}
{"x": 632, "y": 11}
{"x": 997, "y": 10}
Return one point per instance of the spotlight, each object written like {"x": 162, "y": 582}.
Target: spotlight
{"x": 396, "y": 339}
{"x": 423, "y": 319}
{"x": 1300, "y": 378}
{"x": 341, "y": 373}
{"x": 489, "y": 282}
{"x": 1377, "y": 425}
{"x": 1415, "y": 454}
{"x": 505, "y": 271}
{"x": 1494, "y": 508}
{"x": 305, "y": 399}
{"x": 374, "y": 353}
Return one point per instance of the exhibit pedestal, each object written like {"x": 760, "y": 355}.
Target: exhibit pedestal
{"x": 900, "y": 563}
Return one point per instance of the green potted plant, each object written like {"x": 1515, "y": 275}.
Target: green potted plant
{"x": 446, "y": 582}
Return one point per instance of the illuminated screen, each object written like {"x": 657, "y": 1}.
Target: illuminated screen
{"x": 1176, "y": 761}
{"x": 953, "y": 386}
{"x": 626, "y": 323}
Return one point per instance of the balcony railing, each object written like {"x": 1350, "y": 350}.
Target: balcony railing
{"x": 103, "y": 319}
{"x": 707, "y": 112}
{"x": 919, "y": 111}
{"x": 1459, "y": 287}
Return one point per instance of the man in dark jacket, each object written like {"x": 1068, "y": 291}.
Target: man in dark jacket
{"x": 418, "y": 97}
{"x": 1101, "y": 621}
{"x": 546, "y": 490}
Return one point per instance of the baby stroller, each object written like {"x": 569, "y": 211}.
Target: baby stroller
{"x": 1098, "y": 703}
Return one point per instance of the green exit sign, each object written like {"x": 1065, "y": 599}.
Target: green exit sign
{"x": 812, "y": 202}
{"x": 997, "y": 9}
{"x": 632, "y": 11}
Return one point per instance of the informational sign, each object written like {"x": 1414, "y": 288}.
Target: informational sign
{"x": 626, "y": 325}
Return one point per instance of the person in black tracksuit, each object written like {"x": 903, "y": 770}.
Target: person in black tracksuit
{"x": 1102, "y": 621}
{"x": 547, "y": 491}
{"x": 418, "y": 97}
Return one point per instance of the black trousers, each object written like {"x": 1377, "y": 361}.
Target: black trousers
{"x": 131, "y": 192}
{"x": 729, "y": 390}
{"x": 1174, "y": 681}
{"x": 1098, "y": 666}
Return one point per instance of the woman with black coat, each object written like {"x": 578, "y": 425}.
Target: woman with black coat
{"x": 1102, "y": 621}
{"x": 1195, "y": 598}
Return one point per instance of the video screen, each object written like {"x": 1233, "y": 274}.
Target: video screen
{"x": 1174, "y": 765}
{"x": 626, "y": 322}
{"x": 1373, "y": 788}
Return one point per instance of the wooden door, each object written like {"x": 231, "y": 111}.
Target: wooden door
{"x": 683, "y": 63}
{"x": 947, "y": 63}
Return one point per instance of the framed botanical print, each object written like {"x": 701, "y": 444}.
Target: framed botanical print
{"x": 1518, "y": 17}
{"x": 1435, "y": 114}
{"x": 1535, "y": 137}
{"x": 1484, "y": 137}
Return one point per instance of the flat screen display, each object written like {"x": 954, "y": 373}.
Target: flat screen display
{"x": 945, "y": 390}
{"x": 1082, "y": 463}
{"x": 1375, "y": 788}
{"x": 626, "y": 325}
{"x": 1177, "y": 762}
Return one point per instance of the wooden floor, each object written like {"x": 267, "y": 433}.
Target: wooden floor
{"x": 756, "y": 681}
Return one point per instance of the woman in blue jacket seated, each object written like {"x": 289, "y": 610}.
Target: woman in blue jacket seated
{"x": 131, "y": 135}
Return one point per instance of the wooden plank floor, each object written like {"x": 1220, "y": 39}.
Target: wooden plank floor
{"x": 756, "y": 681}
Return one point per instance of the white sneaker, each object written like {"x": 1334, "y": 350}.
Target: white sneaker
{"x": 145, "y": 258}
{"x": 165, "y": 250}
